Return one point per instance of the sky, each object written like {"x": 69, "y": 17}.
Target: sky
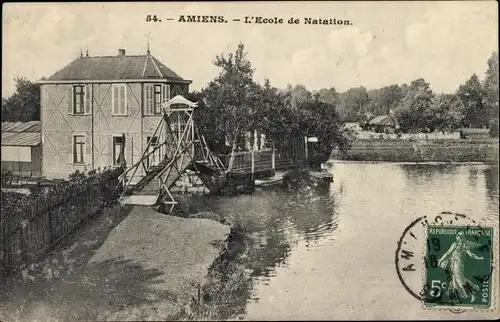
{"x": 387, "y": 42}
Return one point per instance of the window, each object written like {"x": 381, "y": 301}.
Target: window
{"x": 155, "y": 95}
{"x": 118, "y": 150}
{"x": 158, "y": 101}
{"x": 79, "y": 99}
{"x": 78, "y": 149}
{"x": 119, "y": 99}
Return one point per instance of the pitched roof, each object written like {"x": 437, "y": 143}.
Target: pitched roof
{"x": 21, "y": 138}
{"x": 32, "y": 126}
{"x": 115, "y": 68}
{"x": 21, "y": 133}
{"x": 179, "y": 100}
{"x": 381, "y": 120}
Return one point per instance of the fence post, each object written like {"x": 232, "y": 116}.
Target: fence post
{"x": 253, "y": 163}
{"x": 305, "y": 144}
{"x": 273, "y": 159}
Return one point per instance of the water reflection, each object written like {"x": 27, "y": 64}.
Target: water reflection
{"x": 491, "y": 181}
{"x": 423, "y": 173}
{"x": 295, "y": 236}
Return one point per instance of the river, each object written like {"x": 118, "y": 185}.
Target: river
{"x": 330, "y": 255}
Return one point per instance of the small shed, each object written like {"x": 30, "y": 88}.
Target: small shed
{"x": 22, "y": 148}
{"x": 382, "y": 123}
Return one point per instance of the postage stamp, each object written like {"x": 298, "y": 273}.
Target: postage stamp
{"x": 459, "y": 262}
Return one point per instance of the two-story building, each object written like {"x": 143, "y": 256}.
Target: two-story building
{"x": 97, "y": 107}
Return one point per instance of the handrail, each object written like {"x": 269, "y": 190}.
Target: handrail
{"x": 143, "y": 158}
{"x": 136, "y": 166}
{"x": 178, "y": 145}
{"x": 169, "y": 164}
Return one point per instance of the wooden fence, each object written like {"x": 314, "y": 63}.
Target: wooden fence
{"x": 250, "y": 161}
{"x": 283, "y": 157}
{"x": 291, "y": 154}
{"x": 31, "y": 225}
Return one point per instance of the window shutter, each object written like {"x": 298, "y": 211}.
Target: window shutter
{"x": 69, "y": 98}
{"x": 88, "y": 150}
{"x": 149, "y": 99}
{"x": 71, "y": 158}
{"x": 114, "y": 99}
{"x": 88, "y": 99}
{"x": 110, "y": 150}
{"x": 164, "y": 93}
{"x": 123, "y": 99}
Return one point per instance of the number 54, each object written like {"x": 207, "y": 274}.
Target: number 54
{"x": 436, "y": 288}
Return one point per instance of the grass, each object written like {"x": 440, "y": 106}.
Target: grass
{"x": 228, "y": 282}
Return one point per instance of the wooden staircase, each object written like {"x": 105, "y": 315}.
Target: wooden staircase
{"x": 150, "y": 175}
{"x": 181, "y": 140}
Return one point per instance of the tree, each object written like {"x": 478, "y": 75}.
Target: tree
{"x": 322, "y": 121}
{"x": 24, "y": 104}
{"x": 473, "y": 96}
{"x": 299, "y": 95}
{"x": 413, "y": 111}
{"x": 274, "y": 118}
{"x": 446, "y": 113}
{"x": 329, "y": 96}
{"x": 384, "y": 100}
{"x": 233, "y": 96}
{"x": 490, "y": 87}
{"x": 353, "y": 104}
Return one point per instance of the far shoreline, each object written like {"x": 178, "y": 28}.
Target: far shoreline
{"x": 454, "y": 151}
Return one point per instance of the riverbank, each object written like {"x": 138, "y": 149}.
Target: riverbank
{"x": 142, "y": 265}
{"x": 464, "y": 150}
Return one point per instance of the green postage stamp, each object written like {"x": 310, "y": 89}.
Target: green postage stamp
{"x": 459, "y": 267}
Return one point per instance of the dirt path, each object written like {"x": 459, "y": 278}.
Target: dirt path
{"x": 133, "y": 265}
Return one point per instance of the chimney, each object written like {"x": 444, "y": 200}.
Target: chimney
{"x": 121, "y": 52}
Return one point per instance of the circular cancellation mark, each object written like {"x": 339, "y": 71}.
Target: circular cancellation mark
{"x": 431, "y": 256}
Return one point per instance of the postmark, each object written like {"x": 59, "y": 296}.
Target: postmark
{"x": 459, "y": 265}
{"x": 420, "y": 249}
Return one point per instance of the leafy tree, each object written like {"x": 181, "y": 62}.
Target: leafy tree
{"x": 233, "y": 95}
{"x": 24, "y": 104}
{"x": 446, "y": 113}
{"x": 321, "y": 120}
{"x": 414, "y": 109}
{"x": 473, "y": 96}
{"x": 299, "y": 95}
{"x": 384, "y": 100}
{"x": 329, "y": 96}
{"x": 490, "y": 87}
{"x": 233, "y": 104}
{"x": 274, "y": 118}
{"x": 353, "y": 103}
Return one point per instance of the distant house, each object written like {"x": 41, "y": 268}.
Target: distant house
{"x": 103, "y": 110}
{"x": 22, "y": 148}
{"x": 352, "y": 126}
{"x": 476, "y": 133}
{"x": 382, "y": 124}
